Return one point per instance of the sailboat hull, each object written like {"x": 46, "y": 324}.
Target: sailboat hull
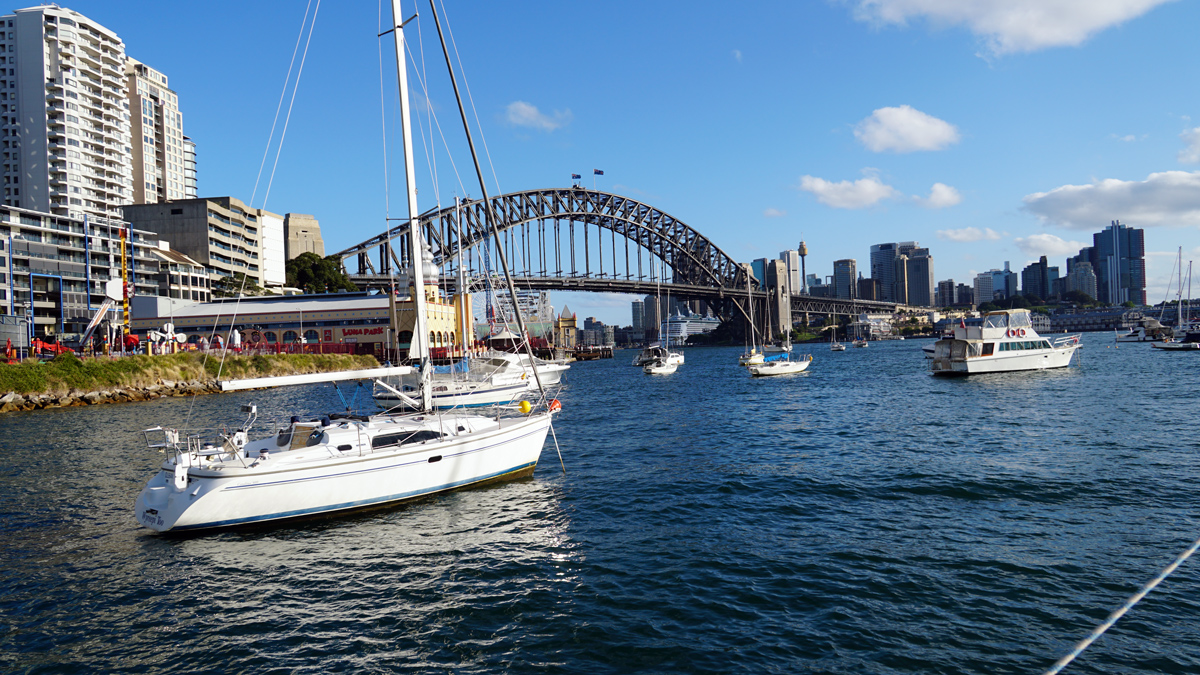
{"x": 322, "y": 479}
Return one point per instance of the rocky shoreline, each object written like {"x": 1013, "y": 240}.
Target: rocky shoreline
{"x": 12, "y": 401}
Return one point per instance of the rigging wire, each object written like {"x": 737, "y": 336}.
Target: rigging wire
{"x": 1112, "y": 618}
{"x": 279, "y": 106}
{"x": 279, "y": 148}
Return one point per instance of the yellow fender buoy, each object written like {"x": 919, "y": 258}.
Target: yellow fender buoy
{"x": 524, "y": 407}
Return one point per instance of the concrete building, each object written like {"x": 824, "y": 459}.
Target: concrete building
{"x": 321, "y": 319}
{"x": 779, "y": 310}
{"x": 56, "y": 267}
{"x": 965, "y": 295}
{"x": 983, "y": 291}
{"x": 64, "y": 114}
{"x": 947, "y": 293}
{"x": 868, "y": 289}
{"x": 159, "y": 151}
{"x": 1081, "y": 278}
{"x": 303, "y": 235}
{"x": 639, "y": 315}
{"x": 222, "y": 233}
{"x": 180, "y": 277}
{"x": 791, "y": 261}
{"x": 189, "y": 169}
{"x": 273, "y": 249}
{"x": 919, "y": 284}
{"x": 845, "y": 276}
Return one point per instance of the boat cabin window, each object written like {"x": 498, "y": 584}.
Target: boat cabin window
{"x": 404, "y": 438}
{"x": 995, "y": 321}
{"x": 1019, "y": 320}
{"x": 987, "y": 349}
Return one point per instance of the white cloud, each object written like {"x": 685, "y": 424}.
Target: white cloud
{"x": 774, "y": 213}
{"x": 968, "y": 234}
{"x": 860, "y": 194}
{"x": 1011, "y": 26}
{"x": 522, "y": 114}
{"x": 737, "y": 55}
{"x": 1127, "y": 138}
{"x": 940, "y": 196}
{"x": 1048, "y": 245}
{"x": 904, "y": 129}
{"x": 1169, "y": 198}
{"x": 1190, "y": 154}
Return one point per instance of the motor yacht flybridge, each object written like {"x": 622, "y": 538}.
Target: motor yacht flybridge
{"x": 1005, "y": 342}
{"x": 335, "y": 463}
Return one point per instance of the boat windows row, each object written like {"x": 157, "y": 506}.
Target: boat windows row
{"x": 1020, "y": 346}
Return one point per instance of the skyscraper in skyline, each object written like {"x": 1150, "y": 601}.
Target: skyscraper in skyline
{"x": 1119, "y": 263}
{"x": 159, "y": 148}
{"x": 66, "y": 148}
{"x": 845, "y": 277}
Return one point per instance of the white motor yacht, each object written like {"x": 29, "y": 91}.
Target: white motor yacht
{"x": 1147, "y": 330}
{"x": 1005, "y": 342}
{"x": 1190, "y": 342}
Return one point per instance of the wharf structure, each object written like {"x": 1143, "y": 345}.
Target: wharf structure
{"x": 374, "y": 322}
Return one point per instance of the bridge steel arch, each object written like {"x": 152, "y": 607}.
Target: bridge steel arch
{"x": 696, "y": 262}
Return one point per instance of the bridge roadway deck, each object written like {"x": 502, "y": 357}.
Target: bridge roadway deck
{"x": 801, "y": 304}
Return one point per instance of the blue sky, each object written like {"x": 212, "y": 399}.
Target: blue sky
{"x": 987, "y": 130}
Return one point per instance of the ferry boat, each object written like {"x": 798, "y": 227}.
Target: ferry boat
{"x": 1006, "y": 342}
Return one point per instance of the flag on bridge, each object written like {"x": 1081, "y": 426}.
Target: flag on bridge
{"x": 575, "y": 176}
{"x": 597, "y": 172}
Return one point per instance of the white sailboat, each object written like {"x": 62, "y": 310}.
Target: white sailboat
{"x": 753, "y": 354}
{"x": 834, "y": 345}
{"x": 341, "y": 462}
{"x": 780, "y": 366}
{"x": 662, "y": 361}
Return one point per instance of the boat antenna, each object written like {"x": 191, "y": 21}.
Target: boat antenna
{"x": 487, "y": 202}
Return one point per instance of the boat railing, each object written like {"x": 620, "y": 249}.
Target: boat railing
{"x": 1066, "y": 340}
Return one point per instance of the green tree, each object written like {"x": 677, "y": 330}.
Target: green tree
{"x": 232, "y": 286}
{"x": 313, "y": 274}
{"x": 1079, "y": 297}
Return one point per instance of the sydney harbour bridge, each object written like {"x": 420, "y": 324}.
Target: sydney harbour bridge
{"x": 575, "y": 239}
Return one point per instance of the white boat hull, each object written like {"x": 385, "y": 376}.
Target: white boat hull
{"x": 779, "y": 368}
{"x": 1040, "y": 359}
{"x": 659, "y": 368}
{"x": 291, "y": 484}
{"x": 1177, "y": 346}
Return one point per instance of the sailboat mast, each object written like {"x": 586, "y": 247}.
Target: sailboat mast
{"x": 419, "y": 349}
{"x": 487, "y": 203}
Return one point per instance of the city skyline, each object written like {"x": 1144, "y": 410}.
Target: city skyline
{"x": 987, "y": 144}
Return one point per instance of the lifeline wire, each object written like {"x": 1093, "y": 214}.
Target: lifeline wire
{"x": 1112, "y": 618}
{"x": 292, "y": 102}
{"x": 282, "y": 93}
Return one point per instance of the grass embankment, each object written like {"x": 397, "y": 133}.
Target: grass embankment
{"x": 68, "y": 372}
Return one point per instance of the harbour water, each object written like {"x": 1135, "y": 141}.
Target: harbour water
{"x": 861, "y": 517}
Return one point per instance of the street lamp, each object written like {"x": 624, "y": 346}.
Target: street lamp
{"x": 28, "y": 305}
